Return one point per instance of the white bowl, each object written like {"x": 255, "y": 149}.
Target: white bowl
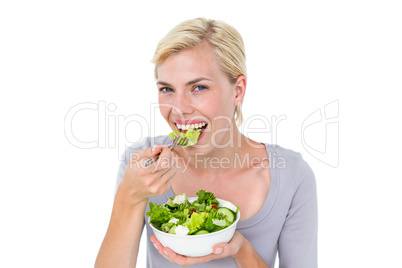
{"x": 197, "y": 245}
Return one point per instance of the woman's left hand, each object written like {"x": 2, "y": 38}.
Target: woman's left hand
{"x": 221, "y": 250}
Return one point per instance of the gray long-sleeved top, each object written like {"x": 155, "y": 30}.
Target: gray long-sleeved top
{"x": 287, "y": 222}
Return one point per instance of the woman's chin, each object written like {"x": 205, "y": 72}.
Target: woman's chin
{"x": 198, "y": 149}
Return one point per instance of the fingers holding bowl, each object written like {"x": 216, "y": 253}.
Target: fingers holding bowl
{"x": 184, "y": 261}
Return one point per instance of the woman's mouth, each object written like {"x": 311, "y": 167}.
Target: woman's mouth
{"x": 183, "y": 127}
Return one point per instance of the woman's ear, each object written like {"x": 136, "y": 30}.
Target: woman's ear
{"x": 240, "y": 88}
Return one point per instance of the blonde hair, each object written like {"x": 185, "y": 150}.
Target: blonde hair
{"x": 226, "y": 42}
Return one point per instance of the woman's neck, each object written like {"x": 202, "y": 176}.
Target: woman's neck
{"x": 234, "y": 153}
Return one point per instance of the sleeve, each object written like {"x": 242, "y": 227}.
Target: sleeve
{"x": 297, "y": 245}
{"x": 120, "y": 173}
{"x": 124, "y": 160}
{"x": 126, "y": 156}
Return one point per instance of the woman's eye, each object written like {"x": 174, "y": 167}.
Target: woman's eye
{"x": 199, "y": 88}
{"x": 165, "y": 89}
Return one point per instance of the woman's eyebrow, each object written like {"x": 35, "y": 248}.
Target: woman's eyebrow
{"x": 194, "y": 81}
{"x": 163, "y": 84}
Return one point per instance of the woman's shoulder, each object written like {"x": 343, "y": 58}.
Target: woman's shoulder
{"x": 282, "y": 151}
{"x": 145, "y": 143}
{"x": 150, "y": 141}
{"x": 290, "y": 165}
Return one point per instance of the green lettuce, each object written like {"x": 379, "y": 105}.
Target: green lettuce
{"x": 209, "y": 224}
{"x": 159, "y": 214}
{"x": 202, "y": 214}
{"x": 191, "y": 134}
{"x": 206, "y": 197}
{"x": 196, "y": 221}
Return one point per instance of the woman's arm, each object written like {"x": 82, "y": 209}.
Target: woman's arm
{"x": 248, "y": 257}
{"x": 120, "y": 246}
{"x": 297, "y": 245}
{"x": 121, "y": 242}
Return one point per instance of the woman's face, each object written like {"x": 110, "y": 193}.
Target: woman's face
{"x": 194, "y": 90}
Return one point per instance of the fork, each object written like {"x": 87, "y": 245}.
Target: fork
{"x": 183, "y": 141}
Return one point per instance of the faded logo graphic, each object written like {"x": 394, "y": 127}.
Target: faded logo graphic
{"x": 319, "y": 131}
{"x": 320, "y": 134}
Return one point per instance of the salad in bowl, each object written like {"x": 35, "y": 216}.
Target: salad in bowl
{"x": 191, "y": 226}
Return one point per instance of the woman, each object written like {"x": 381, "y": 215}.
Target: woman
{"x": 201, "y": 79}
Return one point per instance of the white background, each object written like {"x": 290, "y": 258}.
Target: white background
{"x": 56, "y": 199}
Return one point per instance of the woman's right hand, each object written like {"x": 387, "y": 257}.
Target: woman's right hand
{"x": 139, "y": 182}
{"x": 120, "y": 246}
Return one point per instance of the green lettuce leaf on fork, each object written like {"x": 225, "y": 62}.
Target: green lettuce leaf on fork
{"x": 191, "y": 134}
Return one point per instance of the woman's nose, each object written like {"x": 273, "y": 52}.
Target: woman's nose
{"x": 182, "y": 104}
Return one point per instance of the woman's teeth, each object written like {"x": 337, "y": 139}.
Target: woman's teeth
{"x": 193, "y": 126}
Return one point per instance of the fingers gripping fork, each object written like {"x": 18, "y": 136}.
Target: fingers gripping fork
{"x": 177, "y": 142}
